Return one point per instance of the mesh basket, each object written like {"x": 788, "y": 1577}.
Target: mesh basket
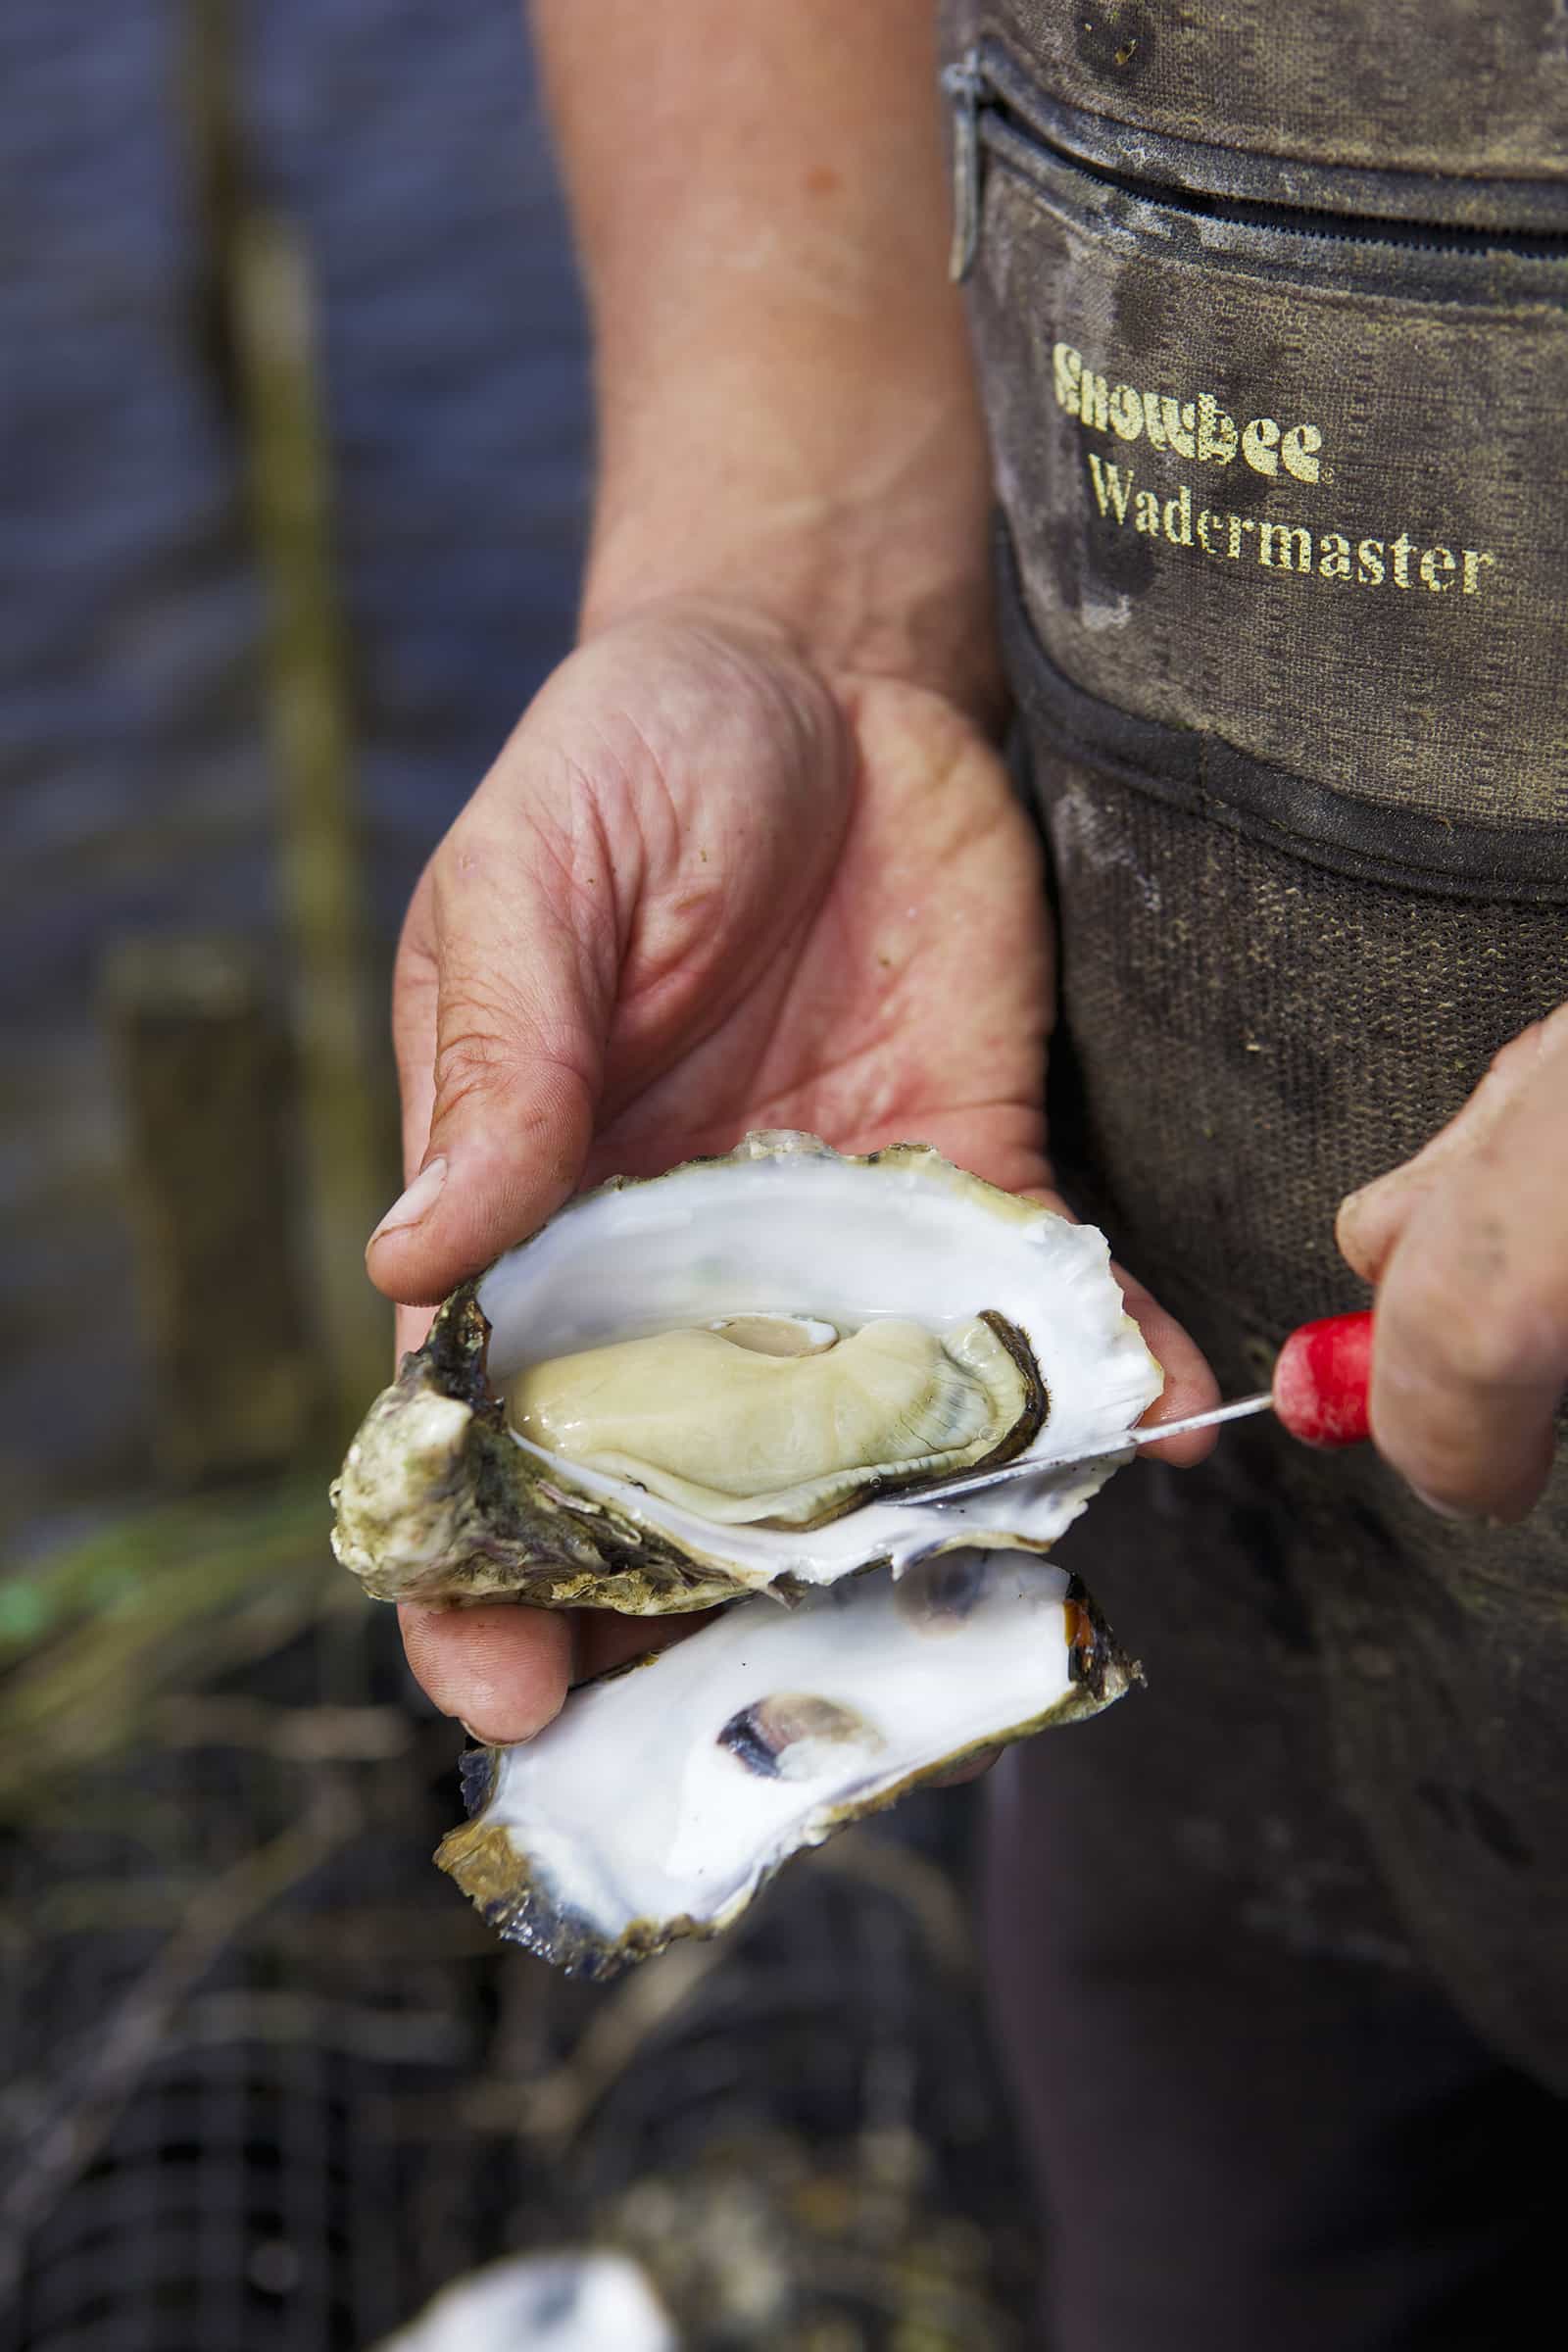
{"x": 271, "y": 2083}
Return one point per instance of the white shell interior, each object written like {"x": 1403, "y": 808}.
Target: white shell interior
{"x": 630, "y": 1807}
{"x": 786, "y": 1226}
{"x": 575, "y": 2302}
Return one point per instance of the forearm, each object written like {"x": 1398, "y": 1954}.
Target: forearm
{"x": 787, "y": 410}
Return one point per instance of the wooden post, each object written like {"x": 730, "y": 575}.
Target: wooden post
{"x": 259, "y": 309}
{"x": 206, "y": 1080}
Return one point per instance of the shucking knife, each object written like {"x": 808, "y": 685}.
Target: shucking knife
{"x": 1319, "y": 1392}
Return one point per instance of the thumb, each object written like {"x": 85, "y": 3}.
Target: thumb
{"x": 502, "y": 999}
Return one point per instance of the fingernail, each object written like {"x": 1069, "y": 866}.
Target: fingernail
{"x": 483, "y": 1739}
{"x": 417, "y": 1202}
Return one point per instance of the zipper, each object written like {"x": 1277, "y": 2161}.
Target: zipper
{"x": 978, "y": 94}
{"x": 967, "y": 86}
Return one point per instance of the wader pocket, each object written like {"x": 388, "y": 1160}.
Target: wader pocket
{"x": 1301, "y": 485}
{"x": 1286, "y": 587}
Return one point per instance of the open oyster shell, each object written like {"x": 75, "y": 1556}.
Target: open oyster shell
{"x": 663, "y": 1796}
{"x": 441, "y": 1498}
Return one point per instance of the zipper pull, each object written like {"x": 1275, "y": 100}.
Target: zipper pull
{"x": 964, "y": 85}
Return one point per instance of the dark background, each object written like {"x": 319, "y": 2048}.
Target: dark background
{"x": 295, "y": 444}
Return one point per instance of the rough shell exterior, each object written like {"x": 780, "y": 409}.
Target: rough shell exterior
{"x": 435, "y": 1500}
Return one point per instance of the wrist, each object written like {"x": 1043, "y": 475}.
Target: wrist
{"x": 848, "y": 607}
{"x": 786, "y": 404}
{"x": 837, "y": 499}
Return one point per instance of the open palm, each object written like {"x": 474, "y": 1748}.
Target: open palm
{"x": 706, "y": 889}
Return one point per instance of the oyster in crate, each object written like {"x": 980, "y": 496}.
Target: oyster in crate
{"x": 655, "y": 1455}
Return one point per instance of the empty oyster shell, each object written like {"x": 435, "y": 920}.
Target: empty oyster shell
{"x": 1009, "y": 1341}
{"x": 663, "y": 1796}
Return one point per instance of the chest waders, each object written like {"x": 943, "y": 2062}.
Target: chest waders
{"x": 1271, "y": 306}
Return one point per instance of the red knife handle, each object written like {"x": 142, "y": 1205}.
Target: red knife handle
{"x": 1321, "y": 1380}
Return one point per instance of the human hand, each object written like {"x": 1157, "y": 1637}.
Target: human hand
{"x": 707, "y": 887}
{"x": 1467, "y": 1245}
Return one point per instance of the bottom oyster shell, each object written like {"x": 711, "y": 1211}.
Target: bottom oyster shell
{"x": 663, "y": 1796}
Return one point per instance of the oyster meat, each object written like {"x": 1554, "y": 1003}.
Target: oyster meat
{"x": 728, "y": 1378}
{"x": 737, "y": 1424}
{"x": 664, "y": 1795}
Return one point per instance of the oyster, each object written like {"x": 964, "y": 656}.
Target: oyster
{"x": 897, "y": 1321}
{"x": 664, "y": 1795}
{"x": 738, "y": 1424}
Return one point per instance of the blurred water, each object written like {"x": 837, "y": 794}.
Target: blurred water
{"x": 405, "y": 141}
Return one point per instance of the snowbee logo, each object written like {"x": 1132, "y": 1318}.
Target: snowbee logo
{"x": 1197, "y": 428}
{"x": 1201, "y": 430}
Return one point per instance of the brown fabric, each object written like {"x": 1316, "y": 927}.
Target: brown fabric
{"x": 1397, "y": 626}
{"x": 1308, "y": 841}
{"x": 1256, "y": 2122}
{"x": 1442, "y": 86}
{"x": 1278, "y": 1032}
{"x": 1245, "y": 1037}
